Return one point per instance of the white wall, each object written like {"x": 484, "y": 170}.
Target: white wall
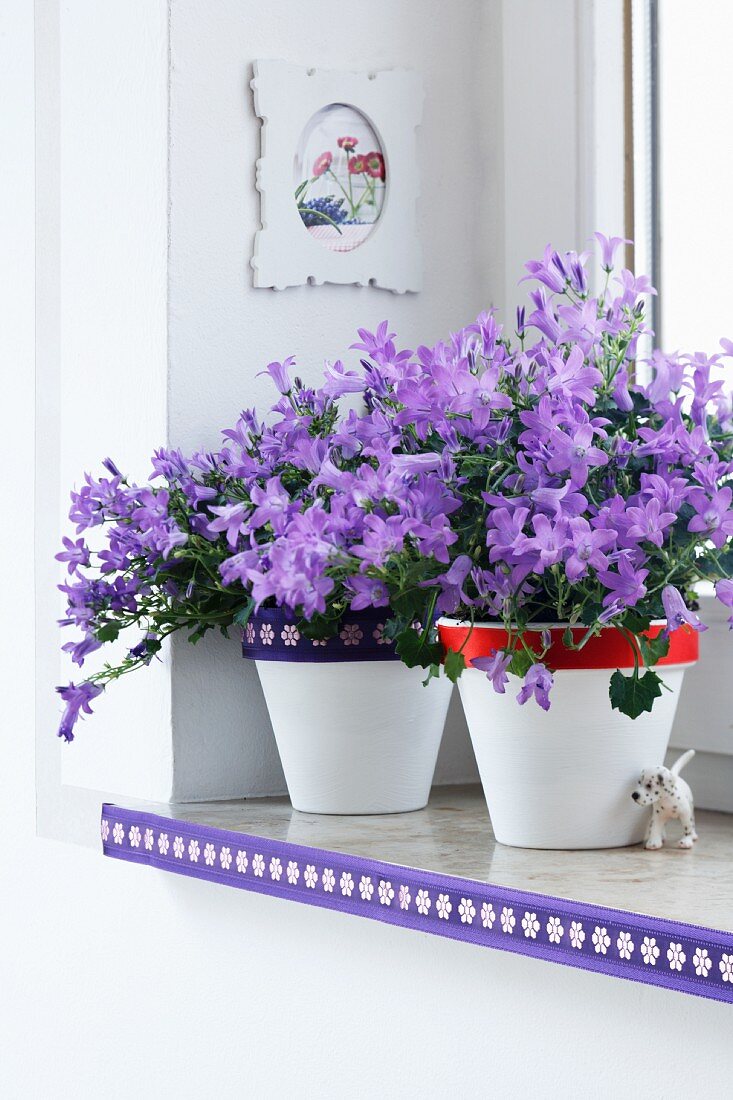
{"x": 118, "y": 981}
{"x": 223, "y": 331}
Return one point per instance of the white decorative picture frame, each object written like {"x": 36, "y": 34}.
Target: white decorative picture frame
{"x": 289, "y": 98}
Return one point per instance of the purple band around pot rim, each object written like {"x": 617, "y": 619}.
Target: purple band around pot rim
{"x": 272, "y": 635}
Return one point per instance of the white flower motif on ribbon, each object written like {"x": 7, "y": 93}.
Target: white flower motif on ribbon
{"x": 148, "y": 839}
{"x": 242, "y": 862}
{"x": 676, "y": 956}
{"x": 378, "y": 635}
{"x": 466, "y": 911}
{"x": 193, "y": 851}
{"x": 386, "y": 893}
{"x": 625, "y": 945}
{"x": 178, "y": 847}
{"x": 649, "y": 951}
{"x": 276, "y": 869}
{"x": 163, "y": 844}
{"x": 290, "y": 635}
{"x": 249, "y": 633}
{"x": 508, "y": 920}
{"x": 328, "y": 879}
{"x": 726, "y": 968}
{"x": 577, "y": 935}
{"x": 319, "y": 641}
{"x": 366, "y": 888}
{"x": 351, "y": 634}
{"x": 601, "y": 940}
{"x": 209, "y": 855}
{"x": 134, "y": 836}
{"x": 105, "y": 829}
{"x": 258, "y": 864}
{"x": 346, "y": 885}
{"x": 423, "y": 902}
{"x": 267, "y": 634}
{"x": 488, "y": 916}
{"x": 405, "y": 898}
{"x": 311, "y": 878}
{"x": 554, "y": 930}
{"x": 443, "y": 906}
{"x": 702, "y": 962}
{"x": 531, "y": 925}
{"x": 225, "y": 858}
{"x": 293, "y": 872}
{"x": 118, "y": 833}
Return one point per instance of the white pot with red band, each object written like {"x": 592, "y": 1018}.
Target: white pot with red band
{"x": 563, "y": 778}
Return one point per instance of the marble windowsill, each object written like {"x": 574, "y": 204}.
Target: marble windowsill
{"x": 681, "y": 901}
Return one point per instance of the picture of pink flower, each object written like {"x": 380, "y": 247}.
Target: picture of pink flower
{"x": 339, "y": 193}
{"x": 322, "y": 163}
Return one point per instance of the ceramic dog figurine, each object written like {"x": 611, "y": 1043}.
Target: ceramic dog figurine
{"x": 667, "y": 792}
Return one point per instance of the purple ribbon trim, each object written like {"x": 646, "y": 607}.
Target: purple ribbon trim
{"x": 271, "y": 635}
{"x": 684, "y": 957}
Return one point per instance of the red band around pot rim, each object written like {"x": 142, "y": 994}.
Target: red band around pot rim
{"x": 608, "y": 650}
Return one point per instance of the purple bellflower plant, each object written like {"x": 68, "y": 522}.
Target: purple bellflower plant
{"x": 552, "y": 478}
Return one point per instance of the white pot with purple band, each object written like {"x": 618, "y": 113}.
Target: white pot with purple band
{"x": 563, "y": 778}
{"x": 356, "y": 730}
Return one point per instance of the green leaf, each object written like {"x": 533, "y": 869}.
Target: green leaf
{"x": 242, "y": 616}
{"x": 653, "y": 649}
{"x": 521, "y": 663}
{"x": 635, "y": 622}
{"x": 433, "y": 674}
{"x": 454, "y": 665}
{"x": 108, "y": 633}
{"x": 633, "y": 695}
{"x": 414, "y": 649}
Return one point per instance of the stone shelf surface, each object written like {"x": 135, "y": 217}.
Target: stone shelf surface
{"x": 665, "y": 918}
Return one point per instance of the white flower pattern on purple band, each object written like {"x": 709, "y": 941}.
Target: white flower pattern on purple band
{"x": 625, "y": 945}
{"x": 702, "y": 962}
{"x": 649, "y": 951}
{"x": 405, "y": 898}
{"x": 577, "y": 935}
{"x": 276, "y": 869}
{"x": 225, "y": 858}
{"x": 508, "y": 920}
{"x": 311, "y": 876}
{"x": 530, "y": 925}
{"x": 328, "y": 879}
{"x": 423, "y": 902}
{"x": 346, "y": 885}
{"x": 366, "y": 888}
{"x": 554, "y": 930}
{"x": 676, "y": 956}
{"x": 242, "y": 862}
{"x": 466, "y": 911}
{"x": 193, "y": 851}
{"x": 443, "y": 906}
{"x": 118, "y": 833}
{"x": 488, "y": 916}
{"x": 601, "y": 940}
{"x": 726, "y": 968}
{"x": 258, "y": 864}
{"x": 267, "y": 634}
{"x": 178, "y": 847}
{"x": 163, "y": 844}
{"x": 290, "y": 635}
{"x": 386, "y": 893}
{"x": 149, "y": 839}
{"x": 351, "y": 634}
{"x": 293, "y": 872}
{"x": 134, "y": 836}
{"x": 209, "y": 855}
{"x": 105, "y": 829}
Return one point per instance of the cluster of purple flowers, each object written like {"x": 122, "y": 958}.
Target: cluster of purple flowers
{"x": 545, "y": 480}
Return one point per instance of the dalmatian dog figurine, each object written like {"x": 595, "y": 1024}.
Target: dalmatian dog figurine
{"x": 665, "y": 790}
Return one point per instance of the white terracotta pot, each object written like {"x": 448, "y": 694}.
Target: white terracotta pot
{"x": 354, "y": 736}
{"x": 563, "y": 778}
{"x": 360, "y": 738}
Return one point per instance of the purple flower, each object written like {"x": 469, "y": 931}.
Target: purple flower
{"x": 76, "y": 554}
{"x": 626, "y": 586}
{"x": 77, "y": 698}
{"x": 451, "y": 585}
{"x": 272, "y": 505}
{"x": 367, "y": 592}
{"x": 714, "y": 515}
{"x": 609, "y": 246}
{"x": 677, "y": 612}
{"x": 587, "y": 548}
{"x": 231, "y": 520}
{"x": 82, "y": 649}
{"x": 571, "y": 378}
{"x": 538, "y": 683}
{"x": 649, "y": 522}
{"x": 495, "y": 666}
{"x": 724, "y": 592}
{"x": 575, "y": 452}
{"x": 278, "y": 372}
